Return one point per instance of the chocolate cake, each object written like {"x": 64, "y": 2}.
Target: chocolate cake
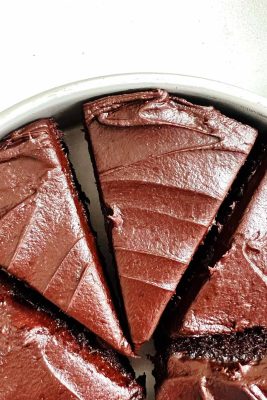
{"x": 164, "y": 166}
{"x": 42, "y": 358}
{"x": 218, "y": 367}
{"x": 235, "y": 295}
{"x": 45, "y": 239}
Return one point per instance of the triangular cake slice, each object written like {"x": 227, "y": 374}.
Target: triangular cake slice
{"x": 217, "y": 367}
{"x": 42, "y": 358}
{"x": 164, "y": 167}
{"x": 45, "y": 239}
{"x": 235, "y": 295}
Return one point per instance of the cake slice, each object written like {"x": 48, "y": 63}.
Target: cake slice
{"x": 42, "y": 358}
{"x": 164, "y": 166}
{"x": 219, "y": 367}
{"x": 235, "y": 295}
{"x": 45, "y": 239}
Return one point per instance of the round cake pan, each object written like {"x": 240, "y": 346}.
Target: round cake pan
{"x": 64, "y": 104}
{"x": 65, "y": 101}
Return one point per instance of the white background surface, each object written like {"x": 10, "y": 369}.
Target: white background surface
{"x": 48, "y": 43}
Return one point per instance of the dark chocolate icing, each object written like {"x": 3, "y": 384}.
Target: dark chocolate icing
{"x": 221, "y": 367}
{"x": 235, "y": 296}
{"x": 164, "y": 167}
{"x": 207, "y": 380}
{"x": 40, "y": 358}
{"x": 44, "y": 236}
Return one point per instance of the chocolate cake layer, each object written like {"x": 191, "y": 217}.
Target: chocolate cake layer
{"x": 45, "y": 239}
{"x": 164, "y": 167}
{"x": 235, "y": 295}
{"x": 41, "y": 358}
{"x": 219, "y": 367}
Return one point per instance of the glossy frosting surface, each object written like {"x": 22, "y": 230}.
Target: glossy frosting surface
{"x": 44, "y": 235}
{"x": 235, "y": 296}
{"x": 40, "y": 358}
{"x": 209, "y": 380}
{"x": 164, "y": 167}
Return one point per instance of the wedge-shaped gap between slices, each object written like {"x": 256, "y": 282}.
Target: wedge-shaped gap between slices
{"x": 218, "y": 240}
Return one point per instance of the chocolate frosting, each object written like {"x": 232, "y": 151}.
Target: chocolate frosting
{"x": 164, "y": 167}
{"x": 213, "y": 367}
{"x": 235, "y": 296}
{"x": 208, "y": 380}
{"x": 44, "y": 235}
{"x": 40, "y": 358}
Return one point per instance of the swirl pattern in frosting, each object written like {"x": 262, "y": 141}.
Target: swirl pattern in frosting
{"x": 235, "y": 296}
{"x": 42, "y": 358}
{"x": 219, "y": 367}
{"x": 164, "y": 167}
{"x": 45, "y": 239}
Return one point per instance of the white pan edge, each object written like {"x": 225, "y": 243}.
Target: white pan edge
{"x": 56, "y": 101}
